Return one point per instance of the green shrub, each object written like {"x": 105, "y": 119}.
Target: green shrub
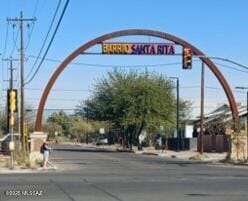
{"x": 39, "y": 162}
{"x": 22, "y": 158}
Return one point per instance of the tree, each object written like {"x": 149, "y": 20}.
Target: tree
{"x": 62, "y": 119}
{"x": 216, "y": 126}
{"x": 132, "y": 102}
{"x": 51, "y": 128}
{"x": 3, "y": 122}
{"x": 80, "y": 129}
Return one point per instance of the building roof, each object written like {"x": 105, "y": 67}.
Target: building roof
{"x": 223, "y": 110}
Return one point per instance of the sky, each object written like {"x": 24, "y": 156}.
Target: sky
{"x": 216, "y": 27}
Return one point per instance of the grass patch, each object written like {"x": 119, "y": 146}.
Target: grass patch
{"x": 198, "y": 157}
{"x": 22, "y": 159}
{"x": 39, "y": 162}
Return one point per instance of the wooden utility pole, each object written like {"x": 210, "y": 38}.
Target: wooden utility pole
{"x": 202, "y": 108}
{"x": 22, "y": 109}
{"x": 11, "y": 69}
{"x": 11, "y": 113}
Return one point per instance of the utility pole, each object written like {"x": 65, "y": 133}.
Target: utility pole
{"x": 87, "y": 120}
{"x": 202, "y": 108}
{"x": 11, "y": 114}
{"x": 22, "y": 109}
{"x": 11, "y": 80}
{"x": 178, "y": 110}
{"x": 178, "y": 132}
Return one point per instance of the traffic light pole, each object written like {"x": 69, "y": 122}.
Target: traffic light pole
{"x": 11, "y": 115}
{"x": 178, "y": 119}
{"x": 179, "y": 137}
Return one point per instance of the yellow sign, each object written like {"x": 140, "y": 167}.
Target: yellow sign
{"x": 139, "y": 48}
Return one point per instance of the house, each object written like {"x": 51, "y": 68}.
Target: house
{"x": 216, "y": 124}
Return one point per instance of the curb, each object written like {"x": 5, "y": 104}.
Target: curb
{"x": 124, "y": 150}
{"x": 149, "y": 153}
{"x": 233, "y": 163}
{"x": 25, "y": 171}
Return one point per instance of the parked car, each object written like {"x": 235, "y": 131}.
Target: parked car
{"x": 101, "y": 141}
{"x": 4, "y": 142}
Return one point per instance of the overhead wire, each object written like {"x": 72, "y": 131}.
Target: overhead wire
{"x": 6, "y": 40}
{"x": 4, "y": 53}
{"x": 14, "y": 41}
{"x": 63, "y": 90}
{"x": 130, "y": 66}
{"x": 231, "y": 67}
{"x": 109, "y": 65}
{"x": 45, "y": 40}
{"x": 30, "y": 33}
{"x": 50, "y": 43}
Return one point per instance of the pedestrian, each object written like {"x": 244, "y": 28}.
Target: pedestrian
{"x": 46, "y": 153}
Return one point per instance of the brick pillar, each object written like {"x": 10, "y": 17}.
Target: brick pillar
{"x": 36, "y": 140}
{"x": 239, "y": 147}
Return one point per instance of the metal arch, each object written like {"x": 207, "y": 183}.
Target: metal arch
{"x": 176, "y": 40}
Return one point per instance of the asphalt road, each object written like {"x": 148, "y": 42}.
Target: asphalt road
{"x": 95, "y": 175}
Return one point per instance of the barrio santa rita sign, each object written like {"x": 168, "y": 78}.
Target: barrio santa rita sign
{"x": 139, "y": 48}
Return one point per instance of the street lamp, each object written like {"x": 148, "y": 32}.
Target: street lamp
{"x": 178, "y": 135}
{"x": 245, "y": 88}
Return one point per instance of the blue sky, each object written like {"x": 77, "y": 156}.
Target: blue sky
{"x": 217, "y": 27}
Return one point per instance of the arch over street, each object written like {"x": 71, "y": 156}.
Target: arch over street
{"x": 135, "y": 32}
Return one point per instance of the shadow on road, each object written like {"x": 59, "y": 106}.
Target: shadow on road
{"x": 84, "y": 150}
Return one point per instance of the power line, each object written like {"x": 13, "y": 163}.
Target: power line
{"x": 14, "y": 41}
{"x": 89, "y": 90}
{"x": 6, "y": 40}
{"x": 230, "y": 67}
{"x": 4, "y": 51}
{"x": 131, "y": 66}
{"x": 69, "y": 109}
{"x": 45, "y": 40}
{"x": 109, "y": 65}
{"x": 49, "y": 45}
{"x": 35, "y": 7}
{"x": 58, "y": 99}
{"x": 223, "y": 59}
{"x": 30, "y": 33}
{"x": 63, "y": 90}
{"x": 33, "y": 24}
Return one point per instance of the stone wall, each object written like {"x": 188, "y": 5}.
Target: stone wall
{"x": 37, "y": 139}
{"x": 239, "y": 147}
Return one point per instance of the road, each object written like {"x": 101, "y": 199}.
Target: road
{"x": 95, "y": 175}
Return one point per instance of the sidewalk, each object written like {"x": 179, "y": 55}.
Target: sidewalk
{"x": 215, "y": 158}
{"x": 186, "y": 155}
{"x": 23, "y": 171}
{"x": 5, "y": 168}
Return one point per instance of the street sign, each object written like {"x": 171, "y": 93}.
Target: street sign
{"x": 11, "y": 146}
{"x": 142, "y": 136}
{"x": 101, "y": 131}
{"x": 139, "y": 48}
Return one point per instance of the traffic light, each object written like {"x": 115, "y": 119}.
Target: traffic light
{"x": 12, "y": 100}
{"x": 187, "y": 58}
